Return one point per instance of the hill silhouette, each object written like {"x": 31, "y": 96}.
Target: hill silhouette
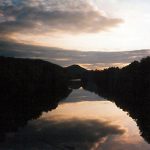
{"x": 27, "y": 88}
{"x": 128, "y": 87}
{"x": 75, "y": 71}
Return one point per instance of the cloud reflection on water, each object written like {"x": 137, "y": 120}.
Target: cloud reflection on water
{"x": 84, "y": 125}
{"x": 69, "y": 134}
{"x": 73, "y": 134}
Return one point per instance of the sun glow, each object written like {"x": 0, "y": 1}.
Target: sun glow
{"x": 111, "y": 25}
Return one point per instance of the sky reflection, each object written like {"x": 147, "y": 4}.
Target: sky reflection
{"x": 80, "y": 125}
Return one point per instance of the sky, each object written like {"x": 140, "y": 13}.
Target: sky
{"x": 86, "y": 25}
{"x": 87, "y": 59}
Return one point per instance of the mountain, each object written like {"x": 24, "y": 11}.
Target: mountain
{"x": 128, "y": 88}
{"x": 27, "y": 88}
{"x": 75, "y": 71}
{"x": 26, "y": 76}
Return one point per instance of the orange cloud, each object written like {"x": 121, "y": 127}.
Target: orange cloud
{"x": 36, "y": 17}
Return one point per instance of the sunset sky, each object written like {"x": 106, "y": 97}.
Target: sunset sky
{"x": 87, "y": 25}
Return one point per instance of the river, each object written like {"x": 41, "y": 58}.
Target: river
{"x": 82, "y": 121}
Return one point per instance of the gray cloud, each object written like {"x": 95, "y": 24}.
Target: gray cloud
{"x": 56, "y": 135}
{"x": 74, "y": 134}
{"x": 64, "y": 57}
{"x": 42, "y": 16}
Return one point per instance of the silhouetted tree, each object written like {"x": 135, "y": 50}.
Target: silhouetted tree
{"x": 128, "y": 87}
{"x": 27, "y": 88}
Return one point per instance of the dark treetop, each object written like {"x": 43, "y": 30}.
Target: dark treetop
{"x": 128, "y": 87}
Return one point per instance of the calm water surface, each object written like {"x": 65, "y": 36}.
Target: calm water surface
{"x": 83, "y": 121}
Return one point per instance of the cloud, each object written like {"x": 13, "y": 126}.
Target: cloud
{"x": 52, "y": 16}
{"x": 74, "y": 134}
{"x": 64, "y": 134}
{"x": 91, "y": 60}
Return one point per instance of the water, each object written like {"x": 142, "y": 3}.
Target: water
{"x": 82, "y": 121}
